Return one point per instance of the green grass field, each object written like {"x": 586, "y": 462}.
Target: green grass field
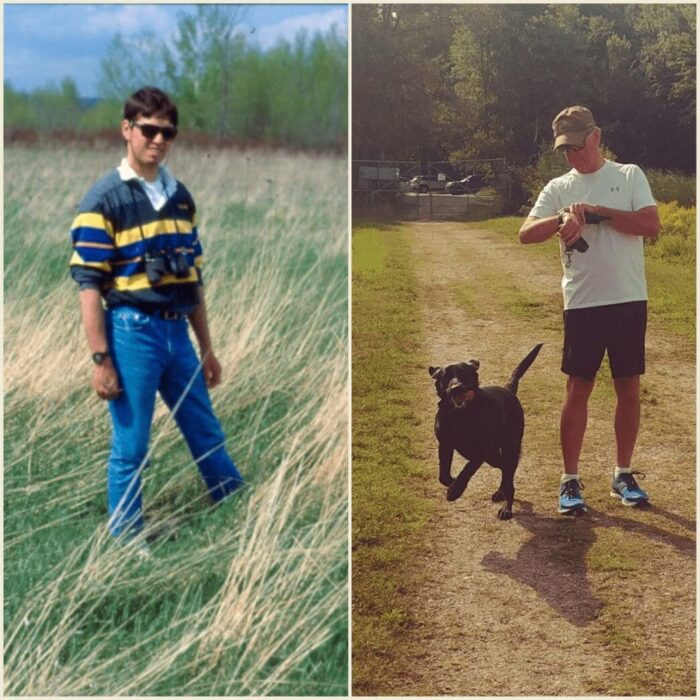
{"x": 388, "y": 481}
{"x": 250, "y": 598}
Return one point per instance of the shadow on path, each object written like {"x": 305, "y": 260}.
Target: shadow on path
{"x": 553, "y": 561}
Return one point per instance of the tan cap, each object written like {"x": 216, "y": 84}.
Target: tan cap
{"x": 571, "y": 126}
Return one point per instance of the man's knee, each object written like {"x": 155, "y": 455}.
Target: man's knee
{"x": 578, "y": 390}
{"x": 627, "y": 388}
{"x": 126, "y": 456}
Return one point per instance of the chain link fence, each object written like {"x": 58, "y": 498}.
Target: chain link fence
{"x": 379, "y": 186}
{"x": 449, "y": 190}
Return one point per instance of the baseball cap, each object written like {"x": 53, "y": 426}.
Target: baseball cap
{"x": 572, "y": 125}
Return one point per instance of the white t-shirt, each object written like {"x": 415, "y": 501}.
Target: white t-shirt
{"x": 611, "y": 271}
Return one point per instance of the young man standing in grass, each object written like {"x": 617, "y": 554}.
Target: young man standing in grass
{"x": 136, "y": 258}
{"x": 605, "y": 295}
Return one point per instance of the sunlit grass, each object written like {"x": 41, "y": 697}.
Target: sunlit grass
{"x": 389, "y": 507}
{"x": 251, "y": 597}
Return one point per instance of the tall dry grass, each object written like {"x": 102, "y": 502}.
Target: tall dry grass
{"x": 251, "y": 598}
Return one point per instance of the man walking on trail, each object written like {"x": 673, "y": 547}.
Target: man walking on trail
{"x": 605, "y": 295}
{"x": 136, "y": 248}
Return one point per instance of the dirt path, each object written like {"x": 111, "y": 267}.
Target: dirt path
{"x": 544, "y": 605}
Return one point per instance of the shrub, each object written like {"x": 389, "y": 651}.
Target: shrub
{"x": 676, "y": 240}
{"x": 672, "y": 186}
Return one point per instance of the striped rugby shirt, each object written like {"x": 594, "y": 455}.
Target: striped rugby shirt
{"x": 117, "y": 223}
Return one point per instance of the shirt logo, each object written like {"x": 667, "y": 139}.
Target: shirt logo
{"x": 184, "y": 206}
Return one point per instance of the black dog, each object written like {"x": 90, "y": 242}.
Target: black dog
{"x": 482, "y": 424}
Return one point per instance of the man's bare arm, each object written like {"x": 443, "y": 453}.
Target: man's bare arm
{"x": 536, "y": 230}
{"x": 104, "y": 377}
{"x": 93, "y": 319}
{"x": 643, "y": 222}
{"x": 200, "y": 325}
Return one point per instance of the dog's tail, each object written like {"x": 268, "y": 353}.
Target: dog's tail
{"x": 518, "y": 372}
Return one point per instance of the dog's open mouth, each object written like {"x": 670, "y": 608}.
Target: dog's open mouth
{"x": 459, "y": 397}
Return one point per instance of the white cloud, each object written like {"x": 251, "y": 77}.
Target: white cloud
{"x": 129, "y": 19}
{"x": 57, "y": 23}
{"x": 313, "y": 22}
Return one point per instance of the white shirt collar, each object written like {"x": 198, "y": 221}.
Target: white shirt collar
{"x": 158, "y": 190}
{"x": 126, "y": 172}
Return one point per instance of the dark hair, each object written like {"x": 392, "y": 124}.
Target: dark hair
{"x": 150, "y": 102}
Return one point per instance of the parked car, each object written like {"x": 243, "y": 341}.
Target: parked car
{"x": 467, "y": 185}
{"x": 423, "y": 183}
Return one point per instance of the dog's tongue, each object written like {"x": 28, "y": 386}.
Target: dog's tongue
{"x": 463, "y": 397}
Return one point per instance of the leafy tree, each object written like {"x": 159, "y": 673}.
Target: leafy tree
{"x": 17, "y": 111}
{"x": 208, "y": 48}
{"x": 468, "y": 81}
{"x": 399, "y": 80}
{"x": 132, "y": 63}
{"x": 667, "y": 65}
{"x": 105, "y": 115}
{"x": 295, "y": 93}
{"x": 45, "y": 110}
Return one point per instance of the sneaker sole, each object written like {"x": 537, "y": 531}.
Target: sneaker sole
{"x": 577, "y": 510}
{"x": 625, "y": 502}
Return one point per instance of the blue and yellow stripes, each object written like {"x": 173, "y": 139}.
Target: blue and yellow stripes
{"x": 116, "y": 226}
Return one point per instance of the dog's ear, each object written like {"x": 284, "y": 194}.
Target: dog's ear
{"x": 475, "y": 364}
{"x": 435, "y": 372}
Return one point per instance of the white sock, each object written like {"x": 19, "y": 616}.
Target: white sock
{"x": 622, "y": 470}
{"x": 568, "y": 477}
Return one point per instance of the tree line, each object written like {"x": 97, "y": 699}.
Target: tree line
{"x": 439, "y": 82}
{"x": 224, "y": 85}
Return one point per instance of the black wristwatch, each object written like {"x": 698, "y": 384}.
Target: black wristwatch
{"x": 99, "y": 357}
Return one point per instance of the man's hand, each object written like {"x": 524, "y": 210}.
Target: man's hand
{"x": 212, "y": 370}
{"x": 105, "y": 381}
{"x": 574, "y": 221}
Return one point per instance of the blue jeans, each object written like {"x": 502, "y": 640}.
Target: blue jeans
{"x": 154, "y": 355}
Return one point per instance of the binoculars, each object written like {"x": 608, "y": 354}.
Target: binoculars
{"x": 581, "y": 245}
{"x": 166, "y": 262}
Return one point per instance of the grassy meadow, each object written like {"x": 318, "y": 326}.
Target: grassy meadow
{"x": 251, "y": 597}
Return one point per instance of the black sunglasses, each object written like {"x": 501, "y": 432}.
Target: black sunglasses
{"x": 568, "y": 147}
{"x": 150, "y": 131}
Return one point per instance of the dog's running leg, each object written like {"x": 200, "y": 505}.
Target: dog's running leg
{"x": 499, "y": 494}
{"x": 462, "y": 480}
{"x": 445, "y": 452}
{"x": 506, "y": 491}
{"x": 506, "y": 513}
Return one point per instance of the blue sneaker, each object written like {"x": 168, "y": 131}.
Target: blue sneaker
{"x": 625, "y": 488}
{"x": 570, "y": 499}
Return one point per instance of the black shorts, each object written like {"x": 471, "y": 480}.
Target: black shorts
{"x": 618, "y": 328}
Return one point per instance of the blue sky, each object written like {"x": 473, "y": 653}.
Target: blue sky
{"x": 44, "y": 43}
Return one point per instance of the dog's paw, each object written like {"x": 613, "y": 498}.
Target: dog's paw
{"x": 505, "y": 513}
{"x": 447, "y": 481}
{"x": 455, "y": 491}
{"x": 498, "y": 496}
